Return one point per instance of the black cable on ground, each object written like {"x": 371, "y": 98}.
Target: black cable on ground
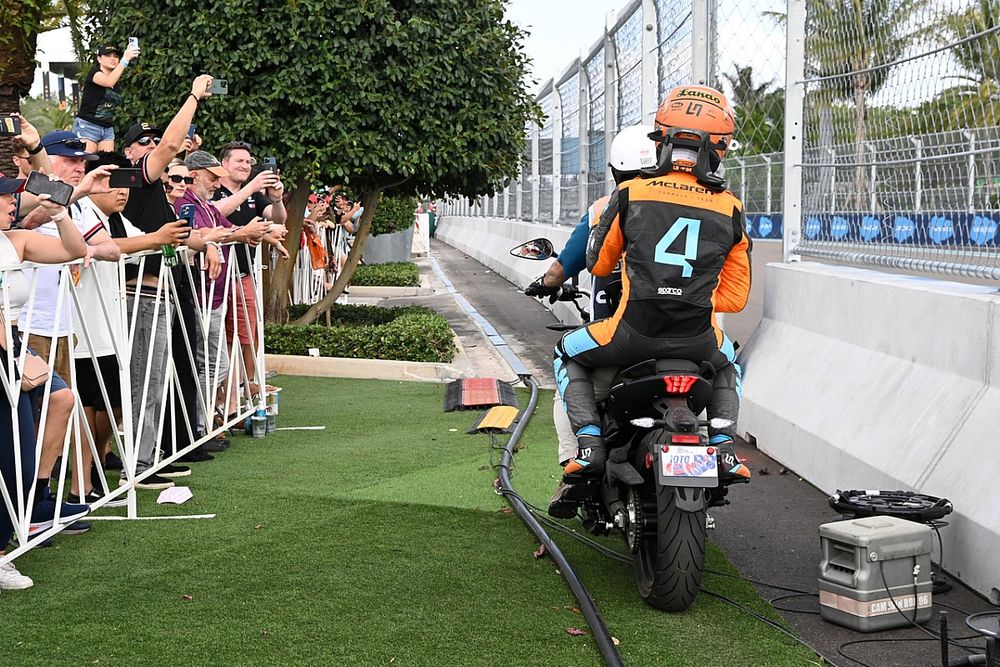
{"x": 534, "y": 516}
{"x": 622, "y": 558}
{"x": 601, "y": 633}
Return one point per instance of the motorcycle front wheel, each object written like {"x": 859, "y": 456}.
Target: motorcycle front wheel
{"x": 670, "y": 561}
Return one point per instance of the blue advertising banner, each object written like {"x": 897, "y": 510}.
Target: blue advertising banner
{"x": 927, "y": 229}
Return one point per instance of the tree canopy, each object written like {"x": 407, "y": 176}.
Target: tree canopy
{"x": 373, "y": 92}
{"x": 382, "y": 94}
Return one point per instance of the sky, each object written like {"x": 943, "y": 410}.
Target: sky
{"x": 558, "y": 30}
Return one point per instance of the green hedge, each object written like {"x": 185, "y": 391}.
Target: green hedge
{"x": 355, "y": 314}
{"x": 412, "y": 333}
{"x": 390, "y": 274}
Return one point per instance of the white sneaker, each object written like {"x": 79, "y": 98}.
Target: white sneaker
{"x": 12, "y": 580}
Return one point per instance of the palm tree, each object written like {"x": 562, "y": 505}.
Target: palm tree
{"x": 21, "y": 21}
{"x": 759, "y": 111}
{"x": 746, "y": 91}
{"x": 976, "y": 101}
{"x": 855, "y": 42}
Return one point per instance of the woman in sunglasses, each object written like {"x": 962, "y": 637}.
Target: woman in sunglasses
{"x": 176, "y": 180}
{"x": 15, "y": 247}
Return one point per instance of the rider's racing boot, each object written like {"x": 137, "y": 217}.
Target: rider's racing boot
{"x": 589, "y": 461}
{"x": 566, "y": 500}
{"x": 732, "y": 471}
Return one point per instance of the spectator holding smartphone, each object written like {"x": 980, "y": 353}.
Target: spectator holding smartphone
{"x": 151, "y": 150}
{"x": 28, "y": 152}
{"x": 207, "y": 171}
{"x": 94, "y": 122}
{"x": 245, "y": 200}
{"x": 15, "y": 247}
{"x": 176, "y": 180}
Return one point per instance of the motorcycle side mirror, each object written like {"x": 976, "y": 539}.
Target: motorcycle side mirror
{"x": 535, "y": 249}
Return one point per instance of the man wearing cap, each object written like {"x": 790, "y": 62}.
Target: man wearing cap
{"x": 151, "y": 150}
{"x": 101, "y": 96}
{"x": 207, "y": 172}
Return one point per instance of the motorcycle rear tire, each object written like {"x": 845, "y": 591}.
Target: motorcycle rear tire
{"x": 670, "y": 563}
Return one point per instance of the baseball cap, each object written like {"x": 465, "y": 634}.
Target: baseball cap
{"x": 66, "y": 144}
{"x": 205, "y": 160}
{"x": 109, "y": 48}
{"x": 138, "y": 130}
{"x": 9, "y": 186}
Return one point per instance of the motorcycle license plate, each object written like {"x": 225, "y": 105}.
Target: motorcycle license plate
{"x": 688, "y": 465}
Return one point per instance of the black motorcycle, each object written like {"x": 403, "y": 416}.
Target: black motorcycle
{"x": 662, "y": 473}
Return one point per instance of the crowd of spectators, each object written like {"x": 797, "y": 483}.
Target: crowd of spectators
{"x": 183, "y": 316}
{"x": 331, "y": 221}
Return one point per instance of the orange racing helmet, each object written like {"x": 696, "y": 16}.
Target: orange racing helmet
{"x": 704, "y": 110}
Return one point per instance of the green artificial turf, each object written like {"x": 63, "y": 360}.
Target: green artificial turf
{"x": 378, "y": 541}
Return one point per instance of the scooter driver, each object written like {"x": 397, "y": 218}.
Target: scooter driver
{"x": 680, "y": 236}
{"x": 631, "y": 151}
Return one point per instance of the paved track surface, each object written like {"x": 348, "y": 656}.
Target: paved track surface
{"x": 770, "y": 531}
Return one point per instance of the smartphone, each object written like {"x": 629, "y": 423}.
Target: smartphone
{"x": 271, "y": 164}
{"x": 187, "y": 213}
{"x": 10, "y": 125}
{"x": 126, "y": 178}
{"x": 133, "y": 41}
{"x": 219, "y": 87}
{"x": 191, "y": 131}
{"x": 39, "y": 184}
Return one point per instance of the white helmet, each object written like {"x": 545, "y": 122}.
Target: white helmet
{"x": 632, "y": 149}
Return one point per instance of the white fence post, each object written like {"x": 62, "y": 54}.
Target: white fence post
{"x": 794, "y": 107}
{"x": 557, "y": 129}
{"x": 610, "y": 90}
{"x": 702, "y": 37}
{"x": 583, "y": 145}
{"x": 971, "y": 196}
{"x": 650, "y": 63}
{"x": 534, "y": 173}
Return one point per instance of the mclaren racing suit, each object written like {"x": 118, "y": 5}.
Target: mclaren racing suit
{"x": 685, "y": 257}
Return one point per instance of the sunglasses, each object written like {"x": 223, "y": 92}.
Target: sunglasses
{"x": 177, "y": 178}
{"x": 144, "y": 141}
{"x": 72, "y": 144}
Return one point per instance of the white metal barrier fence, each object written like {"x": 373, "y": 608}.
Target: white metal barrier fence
{"x": 879, "y": 139}
{"x": 892, "y": 140}
{"x": 148, "y": 395}
{"x": 311, "y": 283}
{"x": 647, "y": 47}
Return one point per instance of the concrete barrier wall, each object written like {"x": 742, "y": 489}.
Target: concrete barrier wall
{"x": 489, "y": 240}
{"x": 857, "y": 379}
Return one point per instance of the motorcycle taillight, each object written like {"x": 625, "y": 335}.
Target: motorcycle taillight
{"x": 679, "y": 384}
{"x": 685, "y": 439}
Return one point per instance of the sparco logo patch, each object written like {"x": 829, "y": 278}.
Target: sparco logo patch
{"x": 701, "y": 95}
{"x": 670, "y": 291}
